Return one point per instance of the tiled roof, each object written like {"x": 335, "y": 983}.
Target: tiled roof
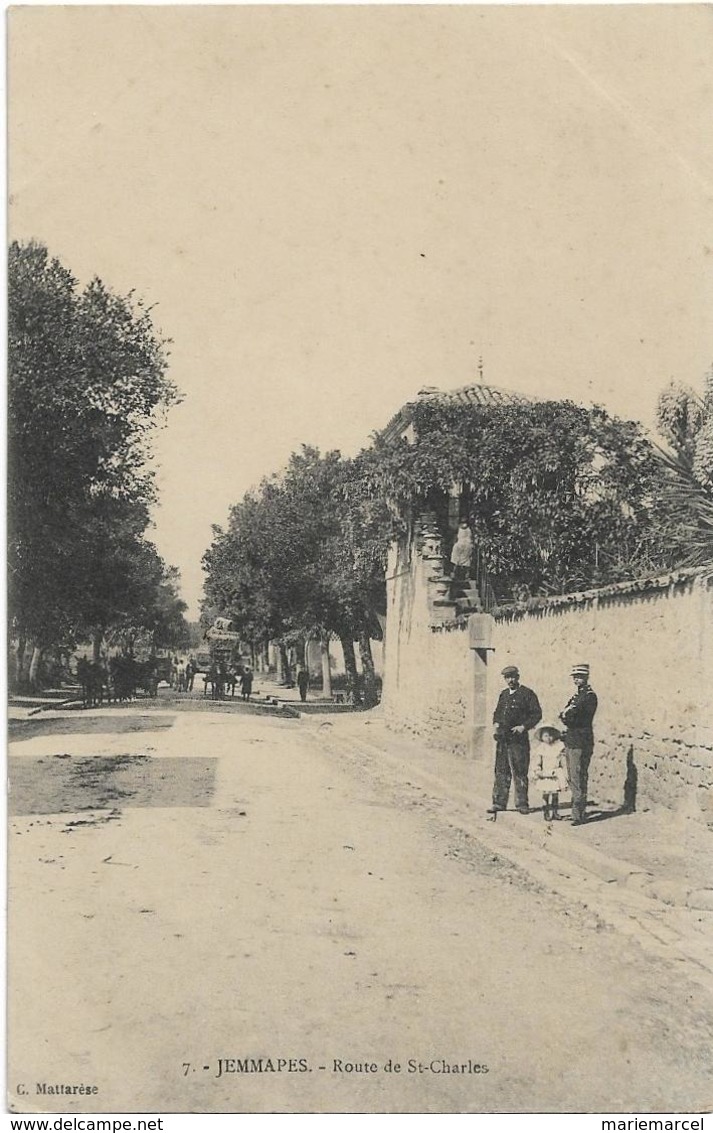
{"x": 475, "y": 394}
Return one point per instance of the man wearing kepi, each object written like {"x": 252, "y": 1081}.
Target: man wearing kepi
{"x": 517, "y": 711}
{"x": 577, "y": 716}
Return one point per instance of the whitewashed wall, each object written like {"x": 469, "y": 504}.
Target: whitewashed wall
{"x": 651, "y": 657}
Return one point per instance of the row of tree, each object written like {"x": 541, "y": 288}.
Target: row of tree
{"x": 303, "y": 556}
{"x": 87, "y": 385}
{"x": 559, "y": 497}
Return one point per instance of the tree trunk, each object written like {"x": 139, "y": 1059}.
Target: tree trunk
{"x": 21, "y": 645}
{"x": 35, "y": 666}
{"x": 286, "y": 673}
{"x": 326, "y": 670}
{"x": 351, "y": 668}
{"x": 97, "y": 646}
{"x": 371, "y": 696}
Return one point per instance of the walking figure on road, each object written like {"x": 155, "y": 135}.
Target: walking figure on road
{"x": 303, "y": 683}
{"x": 550, "y": 770}
{"x": 577, "y": 716}
{"x": 517, "y": 711}
{"x": 246, "y": 684}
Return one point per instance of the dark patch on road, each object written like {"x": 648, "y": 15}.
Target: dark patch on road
{"x": 83, "y": 725}
{"x": 56, "y": 785}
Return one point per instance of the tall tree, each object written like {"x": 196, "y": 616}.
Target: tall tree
{"x": 86, "y": 385}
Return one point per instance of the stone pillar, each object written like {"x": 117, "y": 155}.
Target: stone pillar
{"x": 480, "y": 631}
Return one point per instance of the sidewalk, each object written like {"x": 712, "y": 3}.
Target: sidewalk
{"x": 649, "y": 873}
{"x": 267, "y": 686}
{"x": 655, "y": 851}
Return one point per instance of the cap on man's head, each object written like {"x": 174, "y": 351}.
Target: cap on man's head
{"x": 580, "y": 670}
{"x": 511, "y": 671}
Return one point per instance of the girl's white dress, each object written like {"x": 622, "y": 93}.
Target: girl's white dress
{"x": 548, "y": 766}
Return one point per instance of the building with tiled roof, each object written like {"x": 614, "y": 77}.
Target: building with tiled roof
{"x": 401, "y": 424}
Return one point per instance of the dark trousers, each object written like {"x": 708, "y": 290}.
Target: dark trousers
{"x": 578, "y": 759}
{"x": 512, "y": 761}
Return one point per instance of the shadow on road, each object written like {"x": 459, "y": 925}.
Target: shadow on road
{"x": 57, "y": 784}
{"x": 79, "y": 724}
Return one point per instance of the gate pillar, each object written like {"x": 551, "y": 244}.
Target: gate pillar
{"x": 480, "y": 635}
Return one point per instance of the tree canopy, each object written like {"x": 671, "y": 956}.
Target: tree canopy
{"x": 302, "y": 556}
{"x": 559, "y": 497}
{"x": 87, "y": 385}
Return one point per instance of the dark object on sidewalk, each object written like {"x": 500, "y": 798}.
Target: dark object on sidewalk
{"x": 630, "y": 783}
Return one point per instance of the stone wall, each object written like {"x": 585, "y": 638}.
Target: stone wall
{"x": 650, "y": 647}
{"x": 426, "y": 670}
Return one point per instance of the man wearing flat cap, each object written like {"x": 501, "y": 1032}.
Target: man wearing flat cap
{"x": 577, "y": 716}
{"x": 517, "y": 711}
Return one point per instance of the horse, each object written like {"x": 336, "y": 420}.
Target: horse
{"x": 94, "y": 681}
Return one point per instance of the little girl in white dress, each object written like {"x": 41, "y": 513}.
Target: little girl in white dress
{"x": 549, "y": 768}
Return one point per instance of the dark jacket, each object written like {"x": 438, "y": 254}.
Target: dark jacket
{"x": 513, "y": 708}
{"x": 577, "y": 716}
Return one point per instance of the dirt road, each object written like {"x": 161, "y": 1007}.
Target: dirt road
{"x": 198, "y": 898}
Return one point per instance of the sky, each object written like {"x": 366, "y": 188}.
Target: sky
{"x": 331, "y": 207}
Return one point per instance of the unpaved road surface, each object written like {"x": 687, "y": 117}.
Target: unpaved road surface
{"x": 192, "y": 890}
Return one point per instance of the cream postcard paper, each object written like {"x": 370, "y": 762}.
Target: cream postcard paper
{"x": 347, "y": 218}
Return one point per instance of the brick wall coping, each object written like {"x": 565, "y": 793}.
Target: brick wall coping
{"x": 514, "y": 610}
{"x": 672, "y": 579}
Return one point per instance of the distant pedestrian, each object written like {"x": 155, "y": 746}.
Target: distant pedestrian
{"x": 549, "y": 768}
{"x": 181, "y": 677}
{"x": 517, "y": 711}
{"x": 212, "y": 678}
{"x": 303, "y": 682}
{"x": 246, "y": 684}
{"x": 190, "y": 674}
{"x": 577, "y": 717}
